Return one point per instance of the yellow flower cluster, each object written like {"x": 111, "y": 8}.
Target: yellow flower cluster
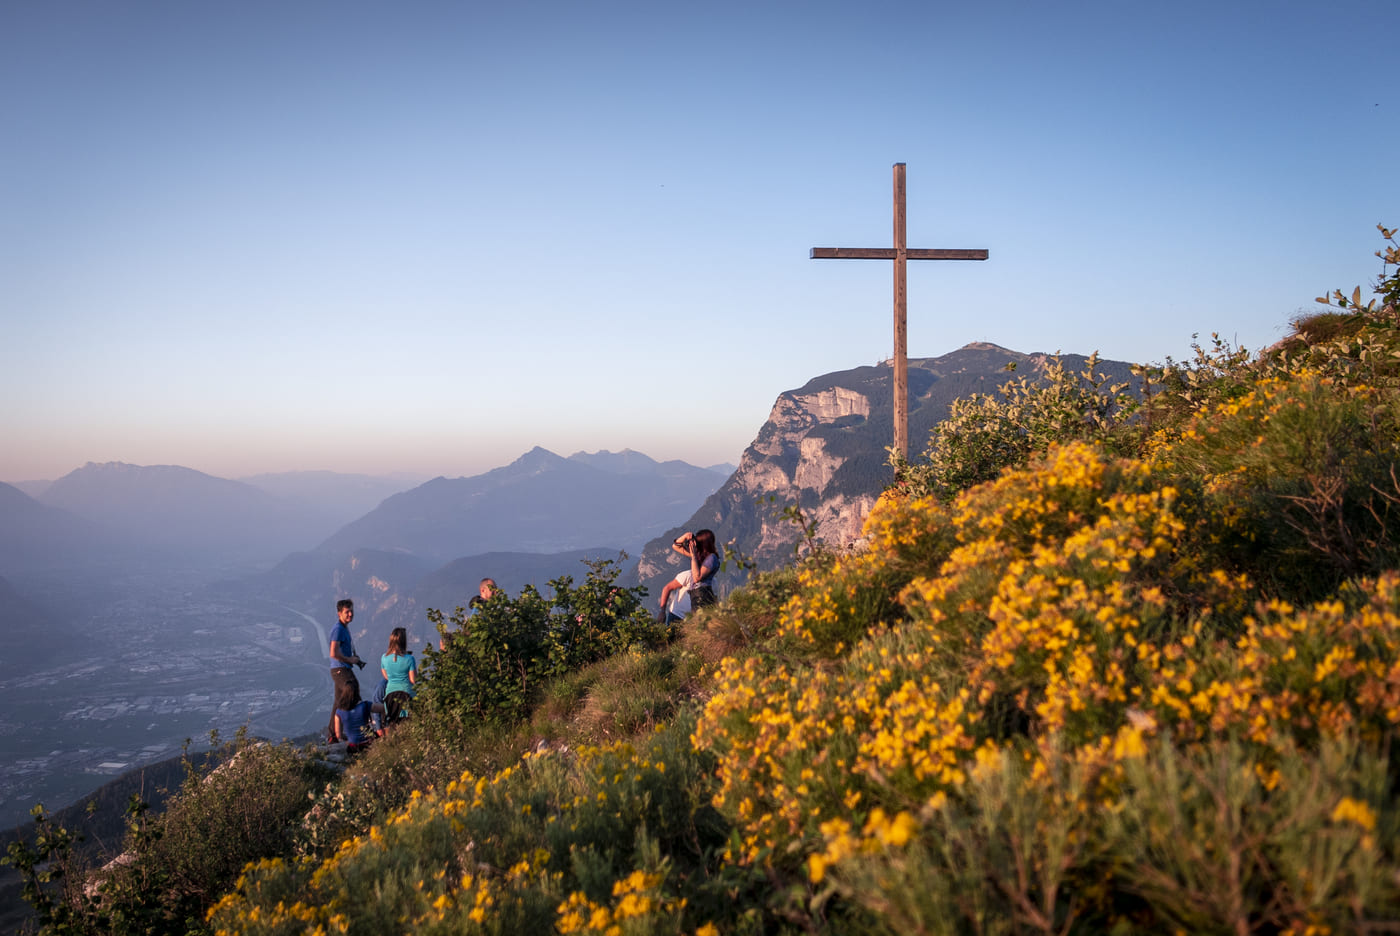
{"x": 1032, "y": 598}
{"x": 1292, "y": 673}
{"x": 329, "y": 892}
{"x": 636, "y": 897}
{"x": 881, "y": 831}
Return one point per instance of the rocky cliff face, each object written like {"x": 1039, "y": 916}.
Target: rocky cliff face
{"x": 824, "y": 450}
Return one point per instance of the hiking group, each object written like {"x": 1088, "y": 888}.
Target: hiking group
{"x": 354, "y": 720}
{"x": 357, "y": 721}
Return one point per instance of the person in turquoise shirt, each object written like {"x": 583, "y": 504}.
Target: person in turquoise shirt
{"x": 400, "y": 672}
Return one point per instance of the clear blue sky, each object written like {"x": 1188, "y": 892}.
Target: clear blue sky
{"x": 425, "y": 237}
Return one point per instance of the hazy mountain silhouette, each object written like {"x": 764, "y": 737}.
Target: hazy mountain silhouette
{"x": 201, "y": 516}
{"x": 629, "y": 461}
{"x": 339, "y": 498}
{"x": 541, "y": 502}
{"x": 34, "y": 489}
{"x": 35, "y": 536}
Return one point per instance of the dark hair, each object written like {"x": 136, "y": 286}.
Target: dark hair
{"x": 488, "y": 581}
{"x": 347, "y": 695}
{"x": 344, "y": 603}
{"x": 398, "y": 641}
{"x": 705, "y": 540}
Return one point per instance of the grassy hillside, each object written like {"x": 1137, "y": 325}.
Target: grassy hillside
{"x": 1102, "y": 666}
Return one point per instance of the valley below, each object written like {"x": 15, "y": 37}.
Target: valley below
{"x": 143, "y": 668}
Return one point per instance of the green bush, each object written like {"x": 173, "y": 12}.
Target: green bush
{"x": 178, "y": 863}
{"x": 985, "y": 434}
{"x": 492, "y": 661}
{"x": 1301, "y": 473}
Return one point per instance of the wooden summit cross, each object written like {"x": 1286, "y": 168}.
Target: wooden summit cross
{"x": 899, "y": 253}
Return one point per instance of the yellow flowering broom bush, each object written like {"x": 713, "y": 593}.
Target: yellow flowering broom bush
{"x": 1087, "y": 604}
{"x": 535, "y": 847}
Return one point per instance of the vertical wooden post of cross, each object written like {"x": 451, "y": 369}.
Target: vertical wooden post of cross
{"x": 901, "y": 319}
{"x": 900, "y": 254}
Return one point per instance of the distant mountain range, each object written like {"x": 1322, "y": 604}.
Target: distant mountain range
{"x": 170, "y": 507}
{"x": 824, "y": 449}
{"x": 33, "y": 488}
{"x": 529, "y": 522}
{"x": 540, "y": 503}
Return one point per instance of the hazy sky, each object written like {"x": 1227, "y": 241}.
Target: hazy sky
{"x": 425, "y": 237}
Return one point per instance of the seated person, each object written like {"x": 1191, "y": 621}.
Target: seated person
{"x": 400, "y": 672}
{"x": 699, "y": 548}
{"x": 675, "y": 599}
{"x": 352, "y": 718}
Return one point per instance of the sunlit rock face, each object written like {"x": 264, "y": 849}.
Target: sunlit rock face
{"x": 795, "y": 460}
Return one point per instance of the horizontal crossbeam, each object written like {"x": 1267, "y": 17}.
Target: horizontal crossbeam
{"x": 887, "y": 253}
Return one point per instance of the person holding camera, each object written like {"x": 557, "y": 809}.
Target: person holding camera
{"x": 704, "y": 563}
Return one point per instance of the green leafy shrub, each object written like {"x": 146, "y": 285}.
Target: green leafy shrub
{"x": 492, "y": 661}
{"x": 1213, "y": 846}
{"x": 176, "y": 864}
{"x": 244, "y": 810}
{"x": 1302, "y": 473}
{"x": 597, "y": 619}
{"x": 985, "y": 434}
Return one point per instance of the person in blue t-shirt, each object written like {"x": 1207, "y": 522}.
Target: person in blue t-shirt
{"x": 400, "y": 672}
{"x": 352, "y": 719}
{"x": 343, "y": 657}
